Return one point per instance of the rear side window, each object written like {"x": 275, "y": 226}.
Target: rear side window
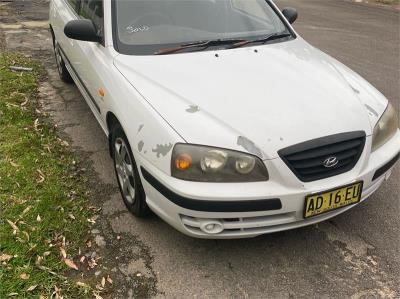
{"x": 93, "y": 10}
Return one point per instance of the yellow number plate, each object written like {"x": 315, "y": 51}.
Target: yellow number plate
{"x": 319, "y": 203}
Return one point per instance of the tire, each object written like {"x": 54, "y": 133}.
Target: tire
{"x": 62, "y": 69}
{"x": 127, "y": 174}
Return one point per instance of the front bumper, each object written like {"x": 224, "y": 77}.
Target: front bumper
{"x": 251, "y": 209}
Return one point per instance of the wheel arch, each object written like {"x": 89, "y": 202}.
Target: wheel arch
{"x": 52, "y": 32}
{"x": 111, "y": 121}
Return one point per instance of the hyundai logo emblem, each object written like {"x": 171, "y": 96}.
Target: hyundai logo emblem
{"x": 330, "y": 162}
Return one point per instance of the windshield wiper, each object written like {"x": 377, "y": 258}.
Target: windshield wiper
{"x": 260, "y": 40}
{"x": 201, "y": 44}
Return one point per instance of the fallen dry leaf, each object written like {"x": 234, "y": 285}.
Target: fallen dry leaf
{"x": 25, "y": 102}
{"x": 48, "y": 148}
{"x": 27, "y": 236}
{"x": 31, "y": 288}
{"x": 5, "y": 257}
{"x": 13, "y": 164}
{"x": 46, "y": 253}
{"x": 82, "y": 259}
{"x": 11, "y": 105}
{"x": 109, "y": 279}
{"x": 13, "y": 225}
{"x": 57, "y": 293}
{"x": 70, "y": 215}
{"x": 36, "y": 124}
{"x": 71, "y": 264}
{"x": 39, "y": 260}
{"x": 12, "y": 294}
{"x": 63, "y": 252}
{"x": 25, "y": 211}
{"x": 24, "y": 276}
{"x": 38, "y": 218}
{"x": 41, "y": 176}
{"x": 19, "y": 239}
{"x": 103, "y": 282}
{"x": 51, "y": 272}
{"x": 97, "y": 296}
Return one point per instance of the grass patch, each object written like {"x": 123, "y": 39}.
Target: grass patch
{"x": 43, "y": 206}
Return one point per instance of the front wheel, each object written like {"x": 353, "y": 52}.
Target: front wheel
{"x": 127, "y": 174}
{"x": 62, "y": 69}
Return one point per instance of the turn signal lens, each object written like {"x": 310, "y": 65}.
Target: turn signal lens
{"x": 183, "y": 162}
{"x": 102, "y": 93}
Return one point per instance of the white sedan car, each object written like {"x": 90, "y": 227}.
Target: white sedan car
{"x": 221, "y": 119}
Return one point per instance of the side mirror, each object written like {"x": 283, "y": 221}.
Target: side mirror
{"x": 83, "y": 30}
{"x": 290, "y": 14}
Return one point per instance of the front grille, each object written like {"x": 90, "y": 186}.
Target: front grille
{"x": 307, "y": 159}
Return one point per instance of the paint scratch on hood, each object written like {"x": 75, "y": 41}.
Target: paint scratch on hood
{"x": 249, "y": 146}
{"x": 162, "y": 149}
{"x": 371, "y": 110}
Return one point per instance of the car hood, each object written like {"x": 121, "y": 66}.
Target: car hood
{"x": 258, "y": 99}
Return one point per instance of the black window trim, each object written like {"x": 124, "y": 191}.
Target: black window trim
{"x": 76, "y": 12}
{"x": 149, "y": 50}
{"x": 103, "y": 38}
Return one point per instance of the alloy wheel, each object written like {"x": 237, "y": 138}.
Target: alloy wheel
{"x": 124, "y": 169}
{"x": 59, "y": 59}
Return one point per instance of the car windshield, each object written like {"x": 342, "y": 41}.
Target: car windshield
{"x": 142, "y": 27}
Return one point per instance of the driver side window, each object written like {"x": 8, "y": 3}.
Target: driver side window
{"x": 93, "y": 10}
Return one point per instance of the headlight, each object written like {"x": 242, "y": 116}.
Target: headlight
{"x": 385, "y": 128}
{"x": 207, "y": 164}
